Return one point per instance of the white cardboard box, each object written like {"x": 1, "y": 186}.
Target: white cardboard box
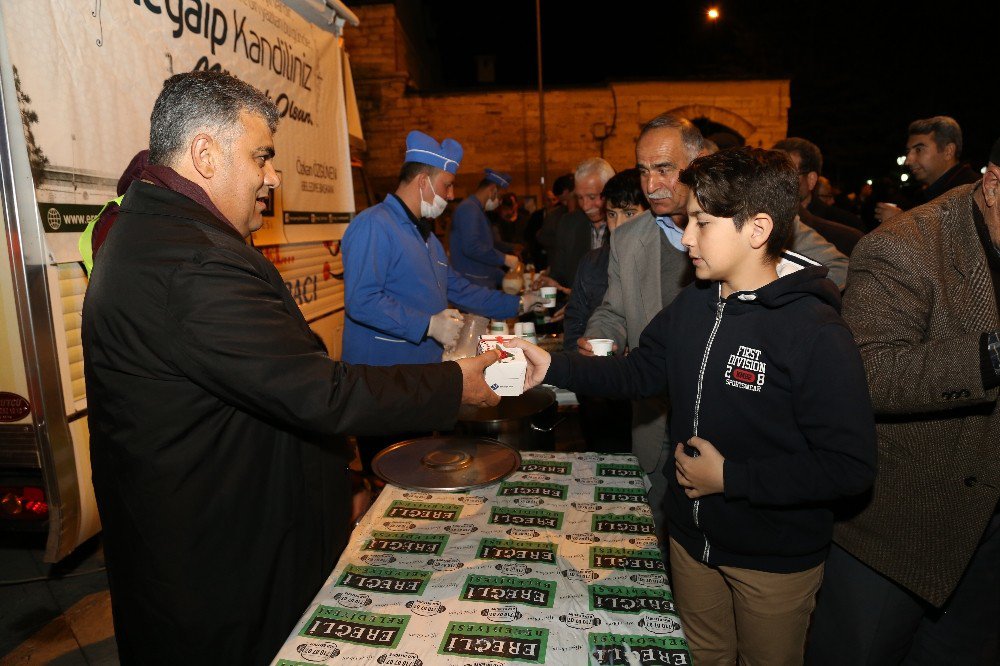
{"x": 506, "y": 376}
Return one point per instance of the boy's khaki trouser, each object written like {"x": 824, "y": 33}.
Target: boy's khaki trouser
{"x": 768, "y": 612}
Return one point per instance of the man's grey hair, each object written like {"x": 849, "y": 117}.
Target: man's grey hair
{"x": 594, "y": 166}
{"x": 810, "y": 156}
{"x": 945, "y": 130}
{"x": 196, "y": 101}
{"x": 690, "y": 135}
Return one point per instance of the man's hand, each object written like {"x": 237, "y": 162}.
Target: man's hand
{"x": 583, "y": 346}
{"x": 538, "y": 360}
{"x": 530, "y": 300}
{"x": 701, "y": 475}
{"x": 510, "y": 261}
{"x": 559, "y": 314}
{"x": 886, "y": 211}
{"x": 475, "y": 392}
{"x": 545, "y": 281}
{"x": 445, "y": 327}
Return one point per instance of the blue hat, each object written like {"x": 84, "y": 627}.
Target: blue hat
{"x": 501, "y": 179}
{"x": 424, "y": 149}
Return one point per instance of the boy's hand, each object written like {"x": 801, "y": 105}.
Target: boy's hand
{"x": 538, "y": 360}
{"x": 701, "y": 475}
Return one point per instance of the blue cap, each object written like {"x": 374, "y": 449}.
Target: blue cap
{"x": 501, "y": 179}
{"x": 424, "y": 149}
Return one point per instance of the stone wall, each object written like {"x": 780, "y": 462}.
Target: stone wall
{"x": 500, "y": 129}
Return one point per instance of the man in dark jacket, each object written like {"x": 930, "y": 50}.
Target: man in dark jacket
{"x": 213, "y": 408}
{"x": 823, "y": 203}
{"x": 933, "y": 151}
{"x": 563, "y": 190}
{"x": 582, "y": 230}
{"x": 844, "y": 232}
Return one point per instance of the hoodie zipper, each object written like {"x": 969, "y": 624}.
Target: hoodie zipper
{"x": 719, "y": 307}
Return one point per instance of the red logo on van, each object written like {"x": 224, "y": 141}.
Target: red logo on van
{"x": 13, "y": 407}
{"x": 745, "y": 376}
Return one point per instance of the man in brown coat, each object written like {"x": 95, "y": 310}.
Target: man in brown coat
{"x": 914, "y": 577}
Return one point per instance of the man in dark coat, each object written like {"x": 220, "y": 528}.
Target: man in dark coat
{"x": 821, "y": 204}
{"x": 563, "y": 189}
{"x": 808, "y": 161}
{"x": 913, "y": 577}
{"x": 933, "y": 154}
{"x": 583, "y": 230}
{"x": 213, "y": 408}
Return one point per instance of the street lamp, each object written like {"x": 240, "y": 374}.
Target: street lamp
{"x": 713, "y": 14}
{"x": 543, "y": 186}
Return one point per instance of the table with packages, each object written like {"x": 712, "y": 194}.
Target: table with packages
{"x": 557, "y": 564}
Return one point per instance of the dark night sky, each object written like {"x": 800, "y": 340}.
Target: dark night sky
{"x": 860, "y": 71}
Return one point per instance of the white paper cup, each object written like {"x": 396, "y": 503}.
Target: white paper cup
{"x": 498, "y": 327}
{"x": 548, "y": 295}
{"x": 602, "y": 346}
{"x": 526, "y": 331}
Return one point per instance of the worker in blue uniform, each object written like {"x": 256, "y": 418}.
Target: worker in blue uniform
{"x": 470, "y": 242}
{"x": 397, "y": 281}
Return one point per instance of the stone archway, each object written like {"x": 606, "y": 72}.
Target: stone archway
{"x": 740, "y": 125}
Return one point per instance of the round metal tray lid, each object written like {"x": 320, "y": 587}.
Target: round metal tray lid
{"x": 529, "y": 403}
{"x": 446, "y": 464}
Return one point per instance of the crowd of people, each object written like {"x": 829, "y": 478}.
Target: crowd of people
{"x": 756, "y": 399}
{"x": 813, "y": 400}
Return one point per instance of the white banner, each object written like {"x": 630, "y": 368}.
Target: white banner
{"x": 88, "y": 72}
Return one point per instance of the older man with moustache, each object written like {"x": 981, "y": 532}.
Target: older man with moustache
{"x": 649, "y": 266}
{"x": 582, "y": 230}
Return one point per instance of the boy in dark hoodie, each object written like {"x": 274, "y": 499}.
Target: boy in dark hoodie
{"x": 770, "y": 410}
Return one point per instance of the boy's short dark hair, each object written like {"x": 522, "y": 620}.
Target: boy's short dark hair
{"x": 624, "y": 189}
{"x": 742, "y": 182}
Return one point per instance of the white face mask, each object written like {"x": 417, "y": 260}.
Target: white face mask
{"x": 435, "y": 208}
{"x": 491, "y": 204}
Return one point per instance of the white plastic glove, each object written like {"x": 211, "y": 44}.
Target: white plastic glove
{"x": 445, "y": 327}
